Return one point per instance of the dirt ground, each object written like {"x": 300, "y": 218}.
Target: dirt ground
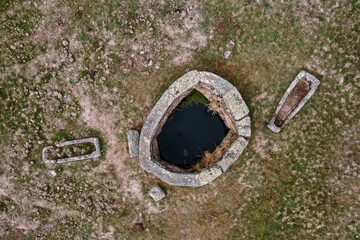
{"x": 72, "y": 69}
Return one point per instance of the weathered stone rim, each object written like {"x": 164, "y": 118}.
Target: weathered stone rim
{"x": 313, "y": 85}
{"x": 236, "y": 108}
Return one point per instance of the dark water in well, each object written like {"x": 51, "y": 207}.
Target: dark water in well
{"x": 188, "y": 132}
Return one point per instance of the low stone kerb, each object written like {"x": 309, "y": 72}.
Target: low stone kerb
{"x": 235, "y": 107}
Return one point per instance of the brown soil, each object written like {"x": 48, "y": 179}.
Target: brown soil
{"x": 297, "y": 94}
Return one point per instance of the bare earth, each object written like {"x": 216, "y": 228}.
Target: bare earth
{"x": 74, "y": 69}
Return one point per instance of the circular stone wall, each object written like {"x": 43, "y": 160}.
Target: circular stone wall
{"x": 236, "y": 116}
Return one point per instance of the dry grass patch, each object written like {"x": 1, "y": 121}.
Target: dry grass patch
{"x": 215, "y": 107}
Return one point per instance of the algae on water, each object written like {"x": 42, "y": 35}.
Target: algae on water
{"x": 194, "y": 97}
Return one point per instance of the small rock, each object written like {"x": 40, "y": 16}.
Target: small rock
{"x": 65, "y": 43}
{"x": 139, "y": 227}
{"x": 133, "y": 142}
{"x": 53, "y": 173}
{"x": 230, "y": 44}
{"x": 156, "y": 193}
{"x": 227, "y": 54}
{"x": 237, "y": 30}
{"x": 131, "y": 99}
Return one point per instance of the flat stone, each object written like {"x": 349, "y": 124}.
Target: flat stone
{"x": 230, "y": 44}
{"x": 94, "y": 154}
{"x": 156, "y": 193}
{"x": 208, "y": 174}
{"x": 219, "y": 85}
{"x": 236, "y": 104}
{"x": 227, "y": 54}
{"x": 233, "y": 153}
{"x": 243, "y": 127}
{"x": 176, "y": 179}
{"x": 313, "y": 84}
{"x": 53, "y": 173}
{"x": 188, "y": 81}
{"x": 190, "y": 179}
{"x": 133, "y": 142}
{"x": 180, "y": 179}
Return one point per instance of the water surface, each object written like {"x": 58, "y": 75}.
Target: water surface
{"x": 189, "y": 131}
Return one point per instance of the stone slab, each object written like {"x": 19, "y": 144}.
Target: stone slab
{"x": 243, "y": 127}
{"x": 188, "y": 81}
{"x": 234, "y": 152}
{"x": 133, "y": 142}
{"x": 220, "y": 85}
{"x": 227, "y": 54}
{"x": 236, "y": 104}
{"x": 208, "y": 174}
{"x": 314, "y": 84}
{"x": 176, "y": 179}
{"x": 156, "y": 193}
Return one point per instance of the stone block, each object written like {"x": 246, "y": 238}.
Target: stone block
{"x": 218, "y": 84}
{"x": 133, "y": 142}
{"x": 188, "y": 81}
{"x": 156, "y": 193}
{"x": 236, "y": 104}
{"x": 208, "y": 174}
{"x": 233, "y": 153}
{"x": 243, "y": 127}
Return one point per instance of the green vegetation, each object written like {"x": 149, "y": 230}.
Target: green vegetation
{"x": 74, "y": 69}
{"x": 194, "y": 97}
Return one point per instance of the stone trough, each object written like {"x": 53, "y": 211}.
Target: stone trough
{"x": 301, "y": 89}
{"x": 235, "y": 115}
{"x": 94, "y": 154}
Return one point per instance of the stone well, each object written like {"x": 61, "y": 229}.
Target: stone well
{"x": 234, "y": 115}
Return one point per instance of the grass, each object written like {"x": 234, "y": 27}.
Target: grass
{"x": 71, "y": 151}
{"x": 299, "y": 184}
{"x": 207, "y": 159}
{"x": 215, "y": 107}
